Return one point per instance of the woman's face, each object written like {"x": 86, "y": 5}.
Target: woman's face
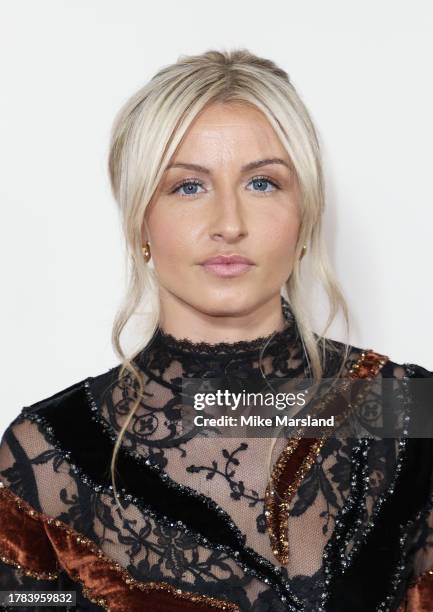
{"x": 229, "y": 190}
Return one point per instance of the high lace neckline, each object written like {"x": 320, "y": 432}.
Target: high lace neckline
{"x": 185, "y": 346}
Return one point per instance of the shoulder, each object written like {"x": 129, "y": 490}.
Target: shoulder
{"x": 68, "y": 407}
{"x": 35, "y": 446}
{"x": 67, "y": 397}
{"x": 401, "y": 392}
{"x": 387, "y": 366}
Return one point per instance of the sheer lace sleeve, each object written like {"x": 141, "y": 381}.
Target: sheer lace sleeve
{"x": 196, "y": 525}
{"x": 28, "y": 561}
{"x": 60, "y": 529}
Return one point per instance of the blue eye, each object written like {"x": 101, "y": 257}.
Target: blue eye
{"x": 261, "y": 183}
{"x": 189, "y": 186}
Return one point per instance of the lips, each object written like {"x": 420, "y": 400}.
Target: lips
{"x": 227, "y": 265}
{"x": 227, "y": 259}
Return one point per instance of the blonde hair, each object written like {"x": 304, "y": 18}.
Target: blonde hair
{"x": 145, "y": 134}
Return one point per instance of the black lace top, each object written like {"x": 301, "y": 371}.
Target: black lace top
{"x": 194, "y": 522}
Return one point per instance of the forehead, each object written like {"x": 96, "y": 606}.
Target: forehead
{"x": 231, "y": 127}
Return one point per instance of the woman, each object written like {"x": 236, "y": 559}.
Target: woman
{"x": 106, "y": 491}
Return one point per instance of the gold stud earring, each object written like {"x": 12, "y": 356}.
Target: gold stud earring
{"x": 304, "y": 250}
{"x": 146, "y": 252}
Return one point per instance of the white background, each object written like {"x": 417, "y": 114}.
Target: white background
{"x": 364, "y": 70}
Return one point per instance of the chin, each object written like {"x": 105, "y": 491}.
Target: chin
{"x": 229, "y": 303}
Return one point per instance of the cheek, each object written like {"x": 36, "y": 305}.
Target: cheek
{"x": 282, "y": 250}
{"x": 279, "y": 236}
{"x": 278, "y": 249}
{"x": 173, "y": 238}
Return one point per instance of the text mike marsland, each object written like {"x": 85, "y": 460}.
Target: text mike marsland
{"x": 258, "y": 421}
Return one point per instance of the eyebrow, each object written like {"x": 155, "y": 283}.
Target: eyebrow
{"x": 250, "y": 166}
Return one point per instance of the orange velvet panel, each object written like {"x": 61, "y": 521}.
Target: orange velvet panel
{"x": 419, "y": 596}
{"x": 39, "y": 544}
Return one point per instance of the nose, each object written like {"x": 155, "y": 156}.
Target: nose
{"x": 228, "y": 221}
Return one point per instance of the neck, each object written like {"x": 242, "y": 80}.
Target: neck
{"x": 278, "y": 352}
{"x": 226, "y": 324}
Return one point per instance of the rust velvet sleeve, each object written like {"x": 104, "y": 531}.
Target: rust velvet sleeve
{"x": 39, "y": 546}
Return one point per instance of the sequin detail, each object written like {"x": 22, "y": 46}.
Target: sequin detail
{"x": 277, "y": 579}
{"x": 335, "y": 558}
{"x": 44, "y": 567}
{"x": 339, "y": 557}
{"x": 118, "y": 576}
{"x": 297, "y": 458}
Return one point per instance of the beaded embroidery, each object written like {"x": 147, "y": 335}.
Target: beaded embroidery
{"x": 335, "y": 560}
{"x": 118, "y": 575}
{"x": 302, "y": 452}
{"x": 336, "y": 557}
{"x": 265, "y": 569}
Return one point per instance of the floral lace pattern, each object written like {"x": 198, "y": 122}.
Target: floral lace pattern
{"x": 345, "y": 484}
